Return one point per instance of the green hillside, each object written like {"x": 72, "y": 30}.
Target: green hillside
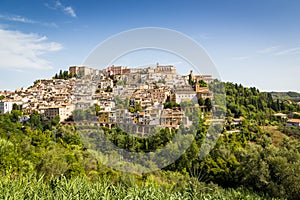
{"x": 258, "y": 158}
{"x": 286, "y": 96}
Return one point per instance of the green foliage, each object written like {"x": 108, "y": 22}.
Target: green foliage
{"x": 138, "y": 107}
{"x": 161, "y": 81}
{"x": 208, "y": 104}
{"x": 63, "y": 75}
{"x": 292, "y": 132}
{"x": 108, "y": 89}
{"x": 97, "y": 108}
{"x": 286, "y": 95}
{"x": 191, "y": 82}
{"x": 202, "y": 83}
{"x": 121, "y": 103}
{"x": 15, "y": 114}
{"x": 171, "y": 105}
{"x": 128, "y": 187}
{"x": 252, "y": 104}
{"x": 131, "y": 109}
{"x": 201, "y": 102}
{"x": 273, "y": 170}
{"x": 135, "y": 108}
{"x": 89, "y": 114}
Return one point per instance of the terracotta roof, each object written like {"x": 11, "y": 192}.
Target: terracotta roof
{"x": 293, "y": 120}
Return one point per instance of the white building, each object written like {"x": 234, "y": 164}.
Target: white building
{"x": 185, "y": 96}
{"x": 7, "y": 106}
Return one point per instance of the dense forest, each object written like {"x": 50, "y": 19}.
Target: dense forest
{"x": 257, "y": 158}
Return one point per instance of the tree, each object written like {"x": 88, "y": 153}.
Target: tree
{"x": 55, "y": 121}
{"x": 15, "y": 114}
{"x": 79, "y": 115}
{"x": 97, "y": 108}
{"x": 138, "y": 107}
{"x": 208, "y": 104}
{"x": 65, "y": 75}
{"x": 171, "y": 104}
{"x": 201, "y": 101}
{"x": 60, "y": 76}
{"x": 15, "y": 107}
{"x": 35, "y": 120}
{"x": 131, "y": 109}
{"x": 202, "y": 83}
{"x": 108, "y": 89}
{"x": 191, "y": 82}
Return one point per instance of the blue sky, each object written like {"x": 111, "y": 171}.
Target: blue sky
{"x": 253, "y": 42}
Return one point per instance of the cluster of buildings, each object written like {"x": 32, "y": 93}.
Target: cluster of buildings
{"x": 134, "y": 98}
{"x": 124, "y": 96}
{"x": 49, "y": 97}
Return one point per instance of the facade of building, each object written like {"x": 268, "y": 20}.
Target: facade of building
{"x": 115, "y": 70}
{"x": 205, "y": 78}
{"x": 63, "y": 111}
{"x": 7, "y": 106}
{"x": 293, "y": 122}
{"x": 168, "y": 69}
{"x": 203, "y": 92}
{"x": 80, "y": 71}
{"x": 181, "y": 96}
{"x": 171, "y": 118}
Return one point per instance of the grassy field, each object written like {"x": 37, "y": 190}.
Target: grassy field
{"x": 81, "y": 188}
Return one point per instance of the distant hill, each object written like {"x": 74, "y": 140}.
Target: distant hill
{"x": 286, "y": 95}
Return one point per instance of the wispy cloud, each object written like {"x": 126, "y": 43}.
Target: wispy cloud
{"x": 268, "y": 50}
{"x": 279, "y": 51}
{"x": 20, "y": 50}
{"x": 17, "y": 18}
{"x": 291, "y": 51}
{"x": 69, "y": 10}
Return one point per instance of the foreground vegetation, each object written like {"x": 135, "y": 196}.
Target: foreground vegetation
{"x": 41, "y": 159}
{"x": 105, "y": 188}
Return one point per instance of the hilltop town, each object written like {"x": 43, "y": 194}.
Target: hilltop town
{"x": 135, "y": 99}
{"x": 115, "y": 95}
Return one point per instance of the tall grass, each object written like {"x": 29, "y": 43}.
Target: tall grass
{"x": 81, "y": 188}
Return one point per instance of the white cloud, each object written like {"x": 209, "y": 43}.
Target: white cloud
{"x": 19, "y": 50}
{"x": 70, "y": 11}
{"x": 292, "y": 51}
{"x": 59, "y": 6}
{"x": 17, "y": 18}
